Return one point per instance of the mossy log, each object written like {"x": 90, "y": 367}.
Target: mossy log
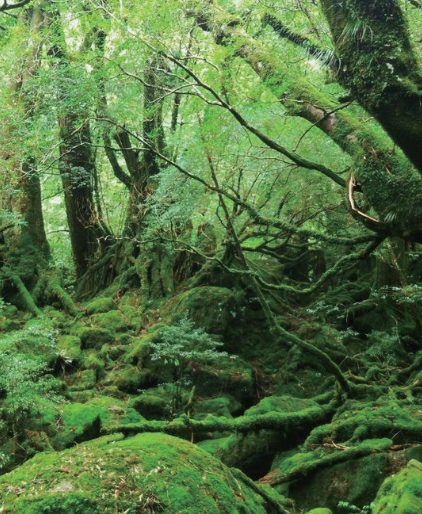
{"x": 271, "y": 421}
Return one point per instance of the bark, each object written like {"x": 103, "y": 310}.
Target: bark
{"x": 31, "y": 210}
{"x": 87, "y": 233}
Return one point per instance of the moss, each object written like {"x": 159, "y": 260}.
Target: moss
{"x": 78, "y": 422}
{"x": 212, "y": 308}
{"x": 320, "y": 511}
{"x": 109, "y": 475}
{"x": 112, "y": 321}
{"x": 92, "y": 361}
{"x": 153, "y": 404}
{"x": 100, "y": 305}
{"x": 211, "y": 445}
{"x": 234, "y": 377}
{"x": 54, "y": 315}
{"x": 140, "y": 349}
{"x": 402, "y": 493}
{"x": 386, "y": 417}
{"x": 70, "y": 348}
{"x": 92, "y": 337}
{"x": 82, "y": 380}
{"x": 133, "y": 317}
{"x": 129, "y": 379}
{"x": 226, "y": 406}
{"x": 9, "y": 325}
{"x": 329, "y": 475}
{"x": 8, "y": 311}
{"x": 254, "y": 451}
{"x": 113, "y": 410}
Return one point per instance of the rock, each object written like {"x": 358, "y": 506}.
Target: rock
{"x": 129, "y": 379}
{"x": 212, "y": 308}
{"x": 95, "y": 337}
{"x": 112, "y": 321}
{"x": 111, "y": 475}
{"x": 155, "y": 403}
{"x": 79, "y": 422}
{"x": 70, "y": 349}
{"x": 100, "y": 305}
{"x": 253, "y": 452}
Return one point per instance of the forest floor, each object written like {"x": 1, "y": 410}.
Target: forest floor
{"x": 88, "y": 395}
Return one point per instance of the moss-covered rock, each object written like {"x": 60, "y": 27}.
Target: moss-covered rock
{"x": 212, "y": 308}
{"x": 82, "y": 380}
{"x": 113, "y": 411}
{"x": 234, "y": 377}
{"x": 70, "y": 349}
{"x": 146, "y": 473}
{"x": 94, "y": 362}
{"x": 133, "y": 317}
{"x": 9, "y": 325}
{"x": 78, "y": 422}
{"x": 100, "y": 305}
{"x": 253, "y": 452}
{"x": 93, "y": 337}
{"x": 226, "y": 406}
{"x": 401, "y": 493}
{"x": 386, "y": 417}
{"x": 129, "y": 379}
{"x": 111, "y": 320}
{"x": 156, "y": 403}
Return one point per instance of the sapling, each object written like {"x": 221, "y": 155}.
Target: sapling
{"x": 179, "y": 347}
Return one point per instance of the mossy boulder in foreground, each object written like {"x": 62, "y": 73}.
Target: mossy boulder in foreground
{"x": 145, "y": 473}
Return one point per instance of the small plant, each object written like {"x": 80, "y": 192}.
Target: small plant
{"x": 385, "y": 348}
{"x": 26, "y": 387}
{"x": 183, "y": 345}
{"x": 3, "y": 305}
{"x": 348, "y": 508}
{"x": 25, "y": 383}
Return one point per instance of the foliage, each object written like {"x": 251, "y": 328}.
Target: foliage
{"x": 26, "y": 386}
{"x": 25, "y": 378}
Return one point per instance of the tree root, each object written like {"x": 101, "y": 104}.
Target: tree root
{"x": 26, "y": 297}
{"x": 54, "y": 287}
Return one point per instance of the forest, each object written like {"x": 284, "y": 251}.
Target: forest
{"x": 211, "y": 256}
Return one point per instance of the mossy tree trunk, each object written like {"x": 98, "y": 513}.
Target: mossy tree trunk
{"x": 379, "y": 67}
{"x": 27, "y": 261}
